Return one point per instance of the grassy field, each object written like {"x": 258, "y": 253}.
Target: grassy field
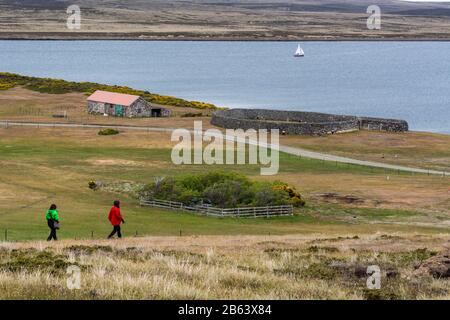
{"x": 55, "y": 165}
{"x": 42, "y": 166}
{"x": 227, "y": 267}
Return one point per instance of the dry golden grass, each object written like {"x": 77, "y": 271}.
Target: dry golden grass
{"x": 26, "y": 105}
{"x": 224, "y": 267}
{"x": 90, "y": 137}
{"x": 415, "y": 149}
{"x": 429, "y": 194}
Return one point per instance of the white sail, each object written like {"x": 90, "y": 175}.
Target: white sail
{"x": 299, "y": 52}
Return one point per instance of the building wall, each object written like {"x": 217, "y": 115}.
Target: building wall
{"x": 139, "y": 109}
{"x": 165, "y": 112}
{"x": 96, "y": 107}
{"x": 378, "y": 124}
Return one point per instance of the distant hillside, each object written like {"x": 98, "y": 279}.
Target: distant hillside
{"x": 224, "y": 19}
{"x": 58, "y": 86}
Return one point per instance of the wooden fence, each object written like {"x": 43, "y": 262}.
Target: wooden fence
{"x": 249, "y": 212}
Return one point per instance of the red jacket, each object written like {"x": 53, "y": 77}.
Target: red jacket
{"x": 115, "y": 217}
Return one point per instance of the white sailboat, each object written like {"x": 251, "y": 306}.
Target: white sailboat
{"x": 299, "y": 52}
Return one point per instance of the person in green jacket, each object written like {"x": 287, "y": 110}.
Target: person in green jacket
{"x": 52, "y": 217}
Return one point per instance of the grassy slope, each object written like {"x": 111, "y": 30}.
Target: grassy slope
{"x": 53, "y": 165}
{"x": 58, "y": 86}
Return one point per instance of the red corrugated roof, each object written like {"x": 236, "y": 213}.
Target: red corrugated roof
{"x": 113, "y": 98}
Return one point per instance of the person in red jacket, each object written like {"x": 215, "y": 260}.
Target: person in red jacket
{"x": 116, "y": 219}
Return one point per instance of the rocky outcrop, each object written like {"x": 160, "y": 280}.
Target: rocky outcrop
{"x": 437, "y": 266}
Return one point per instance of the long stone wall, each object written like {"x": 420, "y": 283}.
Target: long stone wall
{"x": 301, "y": 123}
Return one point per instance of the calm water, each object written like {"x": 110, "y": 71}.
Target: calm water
{"x": 408, "y": 80}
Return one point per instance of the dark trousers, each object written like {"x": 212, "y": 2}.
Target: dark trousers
{"x": 51, "y": 225}
{"x": 116, "y": 229}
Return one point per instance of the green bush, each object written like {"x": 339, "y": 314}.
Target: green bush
{"x": 108, "y": 132}
{"x": 221, "y": 189}
{"x": 6, "y": 86}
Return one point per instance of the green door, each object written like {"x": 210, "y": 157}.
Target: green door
{"x": 118, "y": 110}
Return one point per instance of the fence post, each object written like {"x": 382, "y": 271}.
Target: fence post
{"x": 6, "y": 234}
{"x": 267, "y": 211}
{"x": 92, "y": 234}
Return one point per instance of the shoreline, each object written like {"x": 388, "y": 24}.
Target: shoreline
{"x": 226, "y": 39}
{"x": 215, "y": 107}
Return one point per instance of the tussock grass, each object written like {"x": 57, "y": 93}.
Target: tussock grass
{"x": 214, "y": 267}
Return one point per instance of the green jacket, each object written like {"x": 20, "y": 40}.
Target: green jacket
{"x": 52, "y": 214}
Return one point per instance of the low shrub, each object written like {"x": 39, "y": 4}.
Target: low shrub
{"x": 33, "y": 260}
{"x": 6, "y": 86}
{"x": 92, "y": 185}
{"x": 108, "y": 132}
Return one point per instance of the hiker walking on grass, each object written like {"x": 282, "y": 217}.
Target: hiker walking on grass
{"x": 52, "y": 217}
{"x": 116, "y": 219}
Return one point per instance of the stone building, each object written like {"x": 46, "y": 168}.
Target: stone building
{"x": 123, "y": 105}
